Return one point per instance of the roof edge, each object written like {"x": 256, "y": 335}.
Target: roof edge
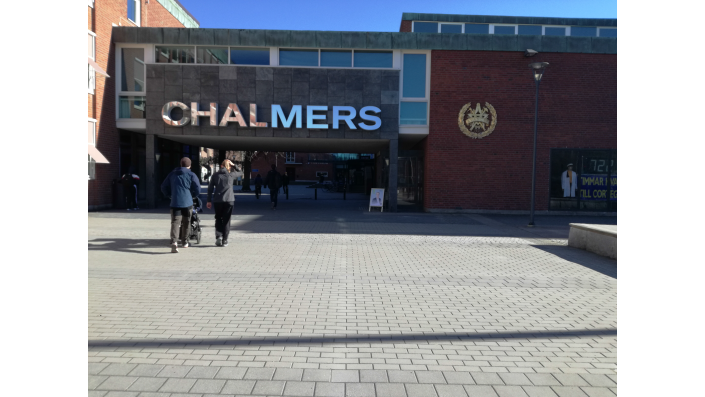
{"x": 180, "y": 12}
{"x": 413, "y": 16}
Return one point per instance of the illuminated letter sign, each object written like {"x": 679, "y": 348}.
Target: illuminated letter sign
{"x": 234, "y": 115}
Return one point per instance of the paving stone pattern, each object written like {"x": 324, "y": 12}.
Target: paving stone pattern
{"x": 489, "y": 310}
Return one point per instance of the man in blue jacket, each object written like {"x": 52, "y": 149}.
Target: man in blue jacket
{"x": 181, "y": 185}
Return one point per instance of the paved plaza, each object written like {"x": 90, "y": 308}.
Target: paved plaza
{"x": 323, "y": 298}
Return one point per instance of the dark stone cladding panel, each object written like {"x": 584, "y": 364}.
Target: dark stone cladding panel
{"x": 264, "y": 86}
{"x": 364, "y": 40}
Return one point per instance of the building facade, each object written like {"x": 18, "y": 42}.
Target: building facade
{"x": 445, "y": 108}
{"x": 110, "y": 153}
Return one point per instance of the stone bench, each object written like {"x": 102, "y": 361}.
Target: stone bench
{"x": 600, "y": 239}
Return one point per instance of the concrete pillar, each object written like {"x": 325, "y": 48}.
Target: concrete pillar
{"x": 151, "y": 183}
{"x": 393, "y": 160}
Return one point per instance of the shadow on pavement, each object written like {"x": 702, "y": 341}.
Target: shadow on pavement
{"x": 592, "y": 261}
{"x": 136, "y": 246}
{"x": 354, "y": 338}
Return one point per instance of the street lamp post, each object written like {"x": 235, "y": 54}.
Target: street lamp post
{"x": 537, "y": 68}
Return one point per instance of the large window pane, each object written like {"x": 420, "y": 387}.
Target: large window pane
{"x": 583, "y": 179}
{"x": 298, "y": 57}
{"x": 212, "y": 55}
{"x": 530, "y": 30}
{"x": 479, "y": 28}
{"x": 174, "y": 54}
{"x": 583, "y": 31}
{"x": 249, "y": 56}
{"x": 133, "y": 70}
{"x": 373, "y": 59}
{"x": 414, "y": 84}
{"x": 336, "y": 58}
{"x": 413, "y": 113}
{"x": 504, "y": 30}
{"x": 448, "y": 28}
{"x": 426, "y": 27}
{"x": 131, "y": 10}
{"x": 608, "y": 32}
{"x": 555, "y": 31}
{"x": 132, "y": 107}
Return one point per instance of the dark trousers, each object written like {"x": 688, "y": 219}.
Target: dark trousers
{"x": 258, "y": 191}
{"x": 273, "y": 195}
{"x": 180, "y": 223}
{"x": 223, "y": 211}
{"x": 131, "y": 197}
{"x": 286, "y": 189}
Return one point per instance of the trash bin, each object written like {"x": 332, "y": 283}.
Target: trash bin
{"x": 118, "y": 195}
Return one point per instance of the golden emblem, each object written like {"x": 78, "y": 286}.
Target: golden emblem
{"x": 481, "y": 119}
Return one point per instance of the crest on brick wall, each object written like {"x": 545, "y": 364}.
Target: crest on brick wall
{"x": 479, "y": 122}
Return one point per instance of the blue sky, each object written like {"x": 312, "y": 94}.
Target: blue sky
{"x": 374, "y": 15}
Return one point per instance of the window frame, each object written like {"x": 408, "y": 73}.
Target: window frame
{"x": 91, "y": 71}
{"x": 138, "y": 12}
{"x": 427, "y": 91}
{"x": 493, "y": 25}
{"x": 599, "y": 30}
{"x": 462, "y": 26}
{"x": 149, "y": 50}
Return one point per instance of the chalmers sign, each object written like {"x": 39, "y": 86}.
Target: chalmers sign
{"x": 234, "y": 115}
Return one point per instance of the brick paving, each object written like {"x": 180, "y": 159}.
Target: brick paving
{"x": 325, "y": 299}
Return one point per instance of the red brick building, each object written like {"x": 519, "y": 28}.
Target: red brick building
{"x": 453, "y": 99}
{"x": 103, "y": 135}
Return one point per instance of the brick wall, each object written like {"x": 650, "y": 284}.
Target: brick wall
{"x": 577, "y": 109}
{"x": 101, "y": 106}
{"x": 405, "y": 26}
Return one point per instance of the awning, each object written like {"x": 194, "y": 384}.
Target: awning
{"x": 96, "y": 67}
{"x": 97, "y": 156}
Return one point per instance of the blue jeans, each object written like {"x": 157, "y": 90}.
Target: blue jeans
{"x": 273, "y": 195}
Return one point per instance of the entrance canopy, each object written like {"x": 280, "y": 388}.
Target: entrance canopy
{"x": 312, "y": 145}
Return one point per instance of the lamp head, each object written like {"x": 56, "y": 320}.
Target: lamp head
{"x": 529, "y": 52}
{"x": 538, "y": 68}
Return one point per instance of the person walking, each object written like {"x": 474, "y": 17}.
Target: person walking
{"x": 273, "y": 181}
{"x": 129, "y": 182}
{"x": 182, "y": 186}
{"x": 285, "y": 183}
{"x": 258, "y": 186}
{"x": 220, "y": 193}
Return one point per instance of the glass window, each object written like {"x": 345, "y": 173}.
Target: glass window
{"x": 608, "y": 32}
{"x": 530, "y": 30}
{"x": 426, "y": 27}
{"x": 131, "y": 10}
{"x": 414, "y": 84}
{"x": 132, "y": 107}
{"x": 174, "y": 55}
{"x": 413, "y": 113}
{"x": 555, "y": 31}
{"x": 133, "y": 70}
{"x": 504, "y": 30}
{"x": 249, "y": 56}
{"x": 212, "y": 55}
{"x": 448, "y": 28}
{"x": 336, "y": 58}
{"x": 298, "y": 57}
{"x": 583, "y": 179}
{"x": 91, "y": 168}
{"x": 583, "y": 31}
{"x": 373, "y": 59}
{"x": 91, "y": 46}
{"x": 91, "y": 132}
{"x": 480, "y": 28}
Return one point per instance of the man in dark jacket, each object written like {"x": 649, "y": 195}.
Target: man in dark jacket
{"x": 273, "y": 181}
{"x": 181, "y": 185}
{"x": 220, "y": 193}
